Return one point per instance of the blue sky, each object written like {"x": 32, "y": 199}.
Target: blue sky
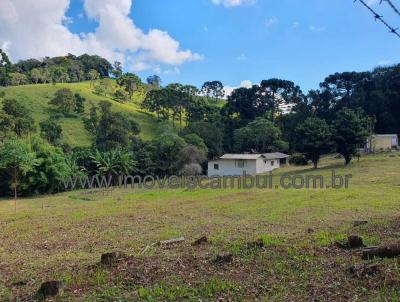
{"x": 299, "y": 40}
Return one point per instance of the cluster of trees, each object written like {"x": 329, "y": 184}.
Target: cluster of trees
{"x": 64, "y": 69}
{"x": 35, "y": 162}
{"x": 252, "y": 121}
{"x": 180, "y": 103}
{"x": 30, "y": 162}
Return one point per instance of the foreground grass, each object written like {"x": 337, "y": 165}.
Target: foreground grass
{"x": 36, "y": 97}
{"x": 62, "y": 237}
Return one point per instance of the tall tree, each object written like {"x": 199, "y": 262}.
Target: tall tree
{"x": 314, "y": 137}
{"x": 166, "y": 153}
{"x": 5, "y": 67}
{"x": 156, "y": 100}
{"x": 261, "y": 136}
{"x": 211, "y": 133}
{"x": 114, "y": 129}
{"x": 93, "y": 75}
{"x": 213, "y": 89}
{"x": 64, "y": 99}
{"x": 176, "y": 101}
{"x": 352, "y": 129}
{"x": 79, "y": 103}
{"x": 244, "y": 104}
{"x": 117, "y": 69}
{"x": 341, "y": 86}
{"x": 154, "y": 80}
{"x": 92, "y": 121}
{"x": 17, "y": 118}
{"x": 36, "y": 75}
{"x": 130, "y": 82}
{"x": 51, "y": 131}
{"x": 275, "y": 92}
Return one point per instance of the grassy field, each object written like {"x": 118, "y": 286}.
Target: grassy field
{"x": 36, "y": 97}
{"x": 62, "y": 237}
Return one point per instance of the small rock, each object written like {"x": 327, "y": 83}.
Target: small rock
{"x": 310, "y": 230}
{"x": 111, "y": 258}
{"x": 172, "y": 241}
{"x": 355, "y": 242}
{"x": 359, "y": 222}
{"x": 200, "y": 241}
{"x": 224, "y": 258}
{"x": 259, "y": 243}
{"x": 364, "y": 270}
{"x": 49, "y": 289}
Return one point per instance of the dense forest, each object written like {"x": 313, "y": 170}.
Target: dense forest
{"x": 198, "y": 124}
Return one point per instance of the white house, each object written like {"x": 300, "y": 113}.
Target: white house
{"x": 381, "y": 142}
{"x": 237, "y": 164}
{"x": 286, "y": 108}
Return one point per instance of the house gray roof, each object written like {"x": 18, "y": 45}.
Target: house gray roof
{"x": 384, "y": 135}
{"x": 276, "y": 155}
{"x": 241, "y": 156}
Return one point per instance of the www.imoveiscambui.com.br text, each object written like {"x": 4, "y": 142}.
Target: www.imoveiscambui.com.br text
{"x": 245, "y": 181}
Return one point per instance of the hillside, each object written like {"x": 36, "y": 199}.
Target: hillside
{"x": 63, "y": 236}
{"x": 36, "y": 97}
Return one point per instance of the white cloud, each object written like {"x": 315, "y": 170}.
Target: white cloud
{"x": 233, "y": 3}
{"x": 230, "y": 89}
{"x": 34, "y": 29}
{"x": 271, "y": 21}
{"x": 246, "y": 84}
{"x": 316, "y": 28}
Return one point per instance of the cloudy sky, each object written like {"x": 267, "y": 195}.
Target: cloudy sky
{"x": 191, "y": 41}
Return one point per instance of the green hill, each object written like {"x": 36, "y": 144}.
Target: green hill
{"x": 36, "y": 97}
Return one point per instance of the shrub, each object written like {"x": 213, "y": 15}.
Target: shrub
{"x": 298, "y": 159}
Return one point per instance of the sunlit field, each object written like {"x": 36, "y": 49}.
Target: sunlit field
{"x": 62, "y": 237}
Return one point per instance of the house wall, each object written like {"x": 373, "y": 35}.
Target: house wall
{"x": 378, "y": 143}
{"x": 230, "y": 167}
{"x": 252, "y": 167}
{"x": 267, "y": 165}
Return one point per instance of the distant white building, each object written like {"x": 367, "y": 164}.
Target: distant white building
{"x": 381, "y": 142}
{"x": 286, "y": 108}
{"x": 252, "y": 164}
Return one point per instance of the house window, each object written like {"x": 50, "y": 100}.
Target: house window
{"x": 216, "y": 167}
{"x": 272, "y": 163}
{"x": 240, "y": 163}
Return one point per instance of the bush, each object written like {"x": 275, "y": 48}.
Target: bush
{"x": 298, "y": 159}
{"x": 191, "y": 170}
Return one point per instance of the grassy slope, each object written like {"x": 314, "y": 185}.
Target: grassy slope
{"x": 65, "y": 237}
{"x": 38, "y": 96}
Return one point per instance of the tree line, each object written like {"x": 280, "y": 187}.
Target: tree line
{"x": 64, "y": 69}
{"x": 195, "y": 124}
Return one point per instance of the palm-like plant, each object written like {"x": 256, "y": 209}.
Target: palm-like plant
{"x": 114, "y": 163}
